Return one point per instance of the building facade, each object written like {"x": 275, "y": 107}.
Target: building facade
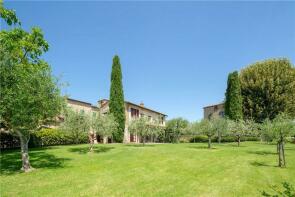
{"x": 133, "y": 111}
{"x": 216, "y": 110}
{"x": 82, "y": 107}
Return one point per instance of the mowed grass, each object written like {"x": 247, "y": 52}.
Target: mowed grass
{"x": 153, "y": 170}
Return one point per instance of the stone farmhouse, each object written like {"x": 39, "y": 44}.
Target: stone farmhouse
{"x": 216, "y": 110}
{"x": 132, "y": 111}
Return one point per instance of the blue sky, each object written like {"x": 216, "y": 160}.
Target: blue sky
{"x": 175, "y": 56}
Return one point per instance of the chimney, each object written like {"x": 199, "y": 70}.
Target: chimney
{"x": 141, "y": 104}
{"x": 102, "y": 102}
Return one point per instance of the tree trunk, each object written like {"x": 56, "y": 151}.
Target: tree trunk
{"x": 239, "y": 140}
{"x": 219, "y": 137}
{"x": 282, "y": 161}
{"x": 209, "y": 141}
{"x": 143, "y": 140}
{"x": 26, "y": 166}
{"x": 105, "y": 140}
{"x": 91, "y": 141}
{"x": 280, "y": 155}
{"x": 283, "y": 153}
{"x": 278, "y": 147}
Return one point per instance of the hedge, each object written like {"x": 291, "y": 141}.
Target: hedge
{"x": 50, "y": 137}
{"x": 204, "y": 138}
{"x": 44, "y": 137}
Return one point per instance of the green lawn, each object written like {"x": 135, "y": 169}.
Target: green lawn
{"x": 153, "y": 170}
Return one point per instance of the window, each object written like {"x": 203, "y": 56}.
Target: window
{"x": 221, "y": 113}
{"x": 215, "y": 108}
{"x": 142, "y": 115}
{"x": 162, "y": 120}
{"x": 134, "y": 113}
{"x": 149, "y": 118}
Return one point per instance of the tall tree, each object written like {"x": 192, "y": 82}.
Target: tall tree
{"x": 233, "y": 98}
{"x": 30, "y": 95}
{"x": 117, "y": 106}
{"x": 268, "y": 89}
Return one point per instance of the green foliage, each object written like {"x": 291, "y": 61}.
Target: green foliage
{"x": 233, "y": 98}
{"x": 116, "y": 105}
{"x": 144, "y": 128}
{"x": 104, "y": 125}
{"x": 50, "y": 137}
{"x": 30, "y": 95}
{"x": 206, "y": 127}
{"x": 175, "y": 128}
{"x": 199, "y": 138}
{"x": 8, "y": 16}
{"x": 227, "y": 138}
{"x": 282, "y": 127}
{"x": 288, "y": 191}
{"x": 76, "y": 125}
{"x": 268, "y": 89}
{"x": 238, "y": 129}
{"x": 266, "y": 129}
{"x": 278, "y": 130}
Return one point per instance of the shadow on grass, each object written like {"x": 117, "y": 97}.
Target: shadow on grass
{"x": 140, "y": 145}
{"x": 11, "y": 161}
{"x": 202, "y": 147}
{"x": 262, "y": 152}
{"x": 236, "y": 145}
{"x": 260, "y": 164}
{"x": 96, "y": 149}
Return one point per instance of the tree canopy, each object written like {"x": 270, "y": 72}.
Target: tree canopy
{"x": 268, "y": 89}
{"x": 175, "y": 128}
{"x": 30, "y": 95}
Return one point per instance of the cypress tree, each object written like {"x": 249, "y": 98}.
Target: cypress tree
{"x": 233, "y": 108}
{"x": 116, "y": 105}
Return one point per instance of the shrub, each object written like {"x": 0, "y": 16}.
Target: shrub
{"x": 204, "y": 138}
{"x": 49, "y": 137}
{"x": 229, "y": 139}
{"x": 199, "y": 138}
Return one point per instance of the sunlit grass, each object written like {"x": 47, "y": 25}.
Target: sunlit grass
{"x": 152, "y": 170}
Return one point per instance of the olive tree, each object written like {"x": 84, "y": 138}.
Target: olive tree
{"x": 192, "y": 130}
{"x": 30, "y": 95}
{"x": 175, "y": 128}
{"x": 220, "y": 125}
{"x": 279, "y": 129}
{"x": 104, "y": 125}
{"x": 206, "y": 127}
{"x": 140, "y": 127}
{"x": 76, "y": 125}
{"x": 237, "y": 129}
